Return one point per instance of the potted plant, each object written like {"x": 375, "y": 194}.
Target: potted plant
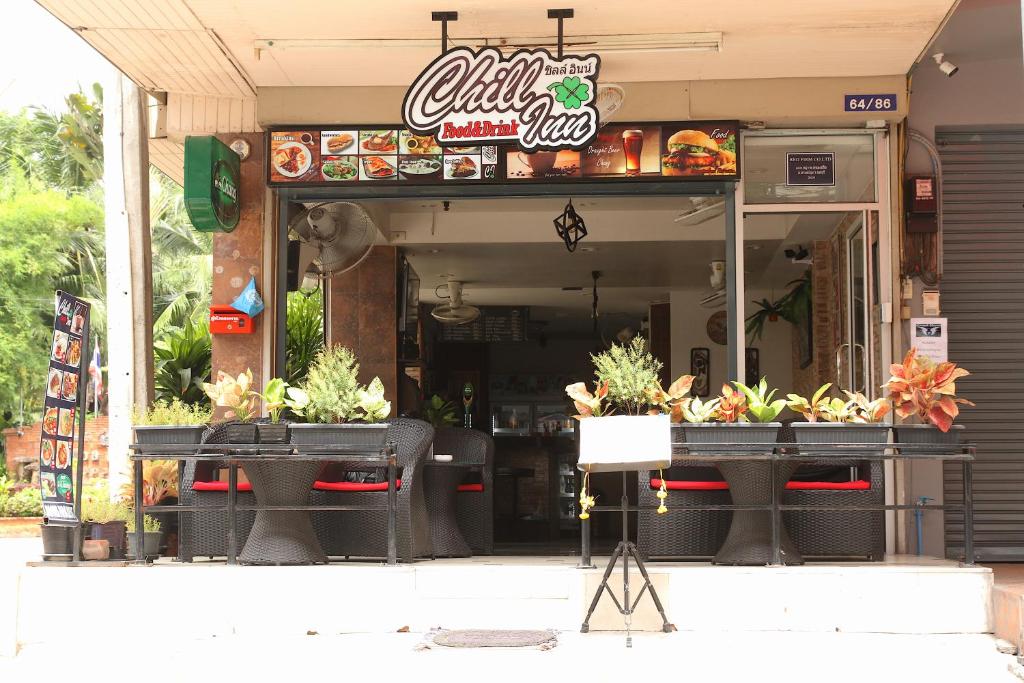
{"x": 171, "y": 422}
{"x": 105, "y": 520}
{"x": 918, "y": 387}
{"x": 856, "y": 420}
{"x": 277, "y": 396}
{"x": 235, "y": 394}
{"x": 439, "y": 412}
{"x": 741, "y": 414}
{"x": 151, "y": 532}
{"x": 625, "y": 423}
{"x": 332, "y": 404}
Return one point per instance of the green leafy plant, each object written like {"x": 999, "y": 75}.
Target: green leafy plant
{"x": 372, "y": 403}
{"x": 791, "y": 307}
{"x": 233, "y": 393}
{"x": 150, "y": 525}
{"x": 760, "y": 405}
{"x": 304, "y": 333}
{"x": 811, "y": 410}
{"x": 274, "y": 398}
{"x": 101, "y": 510}
{"x": 172, "y": 412}
{"x": 837, "y": 410}
{"x": 697, "y": 411}
{"x": 630, "y": 372}
{"x": 182, "y": 358}
{"x": 571, "y": 91}
{"x": 21, "y": 502}
{"x": 332, "y": 386}
{"x": 439, "y": 412}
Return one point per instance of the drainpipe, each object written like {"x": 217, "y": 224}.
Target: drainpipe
{"x": 918, "y": 518}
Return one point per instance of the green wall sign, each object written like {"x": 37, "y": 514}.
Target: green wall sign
{"x": 212, "y": 179}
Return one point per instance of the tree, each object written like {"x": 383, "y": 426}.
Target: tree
{"x": 36, "y": 226}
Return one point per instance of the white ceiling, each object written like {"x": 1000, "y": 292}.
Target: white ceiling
{"x": 507, "y": 252}
{"x": 208, "y": 46}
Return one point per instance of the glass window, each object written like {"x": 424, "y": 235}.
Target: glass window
{"x": 801, "y": 169}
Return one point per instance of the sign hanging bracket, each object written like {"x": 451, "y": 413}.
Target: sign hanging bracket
{"x": 561, "y": 15}
{"x": 444, "y": 18}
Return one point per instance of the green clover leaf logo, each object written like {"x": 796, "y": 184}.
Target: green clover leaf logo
{"x": 571, "y": 92}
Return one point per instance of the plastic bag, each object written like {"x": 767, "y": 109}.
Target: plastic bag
{"x": 249, "y": 301}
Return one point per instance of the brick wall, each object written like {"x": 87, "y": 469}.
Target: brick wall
{"x": 24, "y": 448}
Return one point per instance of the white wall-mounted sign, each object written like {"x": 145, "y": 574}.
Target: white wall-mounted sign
{"x": 467, "y": 97}
{"x": 930, "y": 337}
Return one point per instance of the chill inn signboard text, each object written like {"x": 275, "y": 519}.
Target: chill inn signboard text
{"x": 528, "y": 97}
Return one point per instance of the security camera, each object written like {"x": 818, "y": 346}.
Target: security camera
{"x": 799, "y": 254}
{"x": 946, "y": 67}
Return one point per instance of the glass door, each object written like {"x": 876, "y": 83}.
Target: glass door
{"x": 808, "y": 295}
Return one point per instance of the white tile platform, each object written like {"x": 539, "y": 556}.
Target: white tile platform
{"x": 908, "y": 595}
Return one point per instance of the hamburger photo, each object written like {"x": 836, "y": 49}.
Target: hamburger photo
{"x": 691, "y": 152}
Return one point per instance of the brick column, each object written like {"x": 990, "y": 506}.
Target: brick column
{"x": 237, "y": 256}
{"x": 363, "y": 317}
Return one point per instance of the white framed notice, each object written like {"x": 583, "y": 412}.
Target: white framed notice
{"x": 930, "y": 337}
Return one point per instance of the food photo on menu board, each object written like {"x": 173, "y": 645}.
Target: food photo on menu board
{"x": 410, "y": 143}
{"x": 378, "y": 167}
{"x": 294, "y": 156}
{"x": 624, "y": 151}
{"x": 60, "y": 347}
{"x": 378, "y": 141}
{"x": 420, "y": 167}
{"x": 48, "y": 452}
{"x": 698, "y": 150}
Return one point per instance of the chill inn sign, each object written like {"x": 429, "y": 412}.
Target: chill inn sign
{"x": 468, "y": 97}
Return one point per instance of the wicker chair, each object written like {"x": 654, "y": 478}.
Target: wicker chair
{"x": 363, "y": 533}
{"x": 836, "y": 533}
{"x": 682, "y": 533}
{"x": 205, "y": 534}
{"x": 475, "y": 501}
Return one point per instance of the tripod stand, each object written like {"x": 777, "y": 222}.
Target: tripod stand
{"x": 626, "y": 549}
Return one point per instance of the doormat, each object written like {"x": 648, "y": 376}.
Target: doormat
{"x": 543, "y": 640}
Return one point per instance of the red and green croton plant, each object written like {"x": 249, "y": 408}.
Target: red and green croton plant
{"x": 926, "y": 389}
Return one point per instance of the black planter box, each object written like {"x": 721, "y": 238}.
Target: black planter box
{"x": 273, "y": 432}
{"x": 241, "y": 432}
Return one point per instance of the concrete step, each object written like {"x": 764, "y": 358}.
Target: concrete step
{"x": 206, "y": 600}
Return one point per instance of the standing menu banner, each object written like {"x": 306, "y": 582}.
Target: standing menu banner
{"x": 62, "y": 420}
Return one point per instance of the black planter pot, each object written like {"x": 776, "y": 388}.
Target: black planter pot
{"x": 841, "y": 432}
{"x": 928, "y": 434}
{"x": 150, "y": 544}
{"x": 734, "y": 432}
{"x": 241, "y": 432}
{"x": 58, "y": 541}
{"x": 272, "y": 432}
{"x": 372, "y": 436}
{"x": 114, "y": 532}
{"x": 169, "y": 434}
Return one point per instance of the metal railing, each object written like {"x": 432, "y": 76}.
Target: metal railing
{"x": 838, "y": 453}
{"x": 233, "y": 455}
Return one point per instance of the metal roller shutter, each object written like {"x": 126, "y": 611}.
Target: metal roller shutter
{"x": 983, "y": 297}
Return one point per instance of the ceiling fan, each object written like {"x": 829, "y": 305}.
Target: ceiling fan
{"x": 454, "y": 311}
{"x": 701, "y": 210}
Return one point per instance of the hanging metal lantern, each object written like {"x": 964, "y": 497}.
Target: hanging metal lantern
{"x": 570, "y": 227}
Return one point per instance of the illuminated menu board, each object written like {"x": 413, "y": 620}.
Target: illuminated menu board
{"x": 637, "y": 152}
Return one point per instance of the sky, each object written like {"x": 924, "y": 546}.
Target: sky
{"x": 43, "y": 60}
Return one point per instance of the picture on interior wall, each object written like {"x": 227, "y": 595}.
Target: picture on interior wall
{"x": 718, "y": 328}
{"x": 700, "y": 368}
{"x": 752, "y": 367}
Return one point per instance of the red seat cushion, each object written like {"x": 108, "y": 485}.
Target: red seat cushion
{"x": 690, "y": 485}
{"x": 828, "y": 485}
{"x": 352, "y": 486}
{"x": 470, "y": 488}
{"x": 792, "y": 485}
{"x": 219, "y": 486}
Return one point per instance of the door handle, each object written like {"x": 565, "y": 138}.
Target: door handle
{"x": 839, "y": 365}
{"x": 859, "y": 377}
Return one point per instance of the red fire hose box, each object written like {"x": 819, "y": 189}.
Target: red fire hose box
{"x": 227, "y": 320}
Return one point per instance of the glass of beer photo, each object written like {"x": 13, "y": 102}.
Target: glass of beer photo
{"x": 632, "y": 145}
